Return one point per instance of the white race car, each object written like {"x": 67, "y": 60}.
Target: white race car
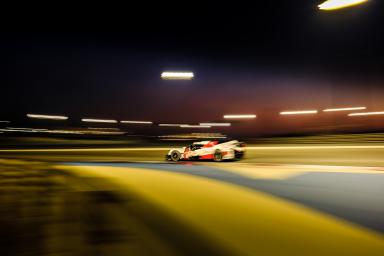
{"x": 203, "y": 150}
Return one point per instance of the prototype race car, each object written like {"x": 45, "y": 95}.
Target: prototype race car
{"x": 204, "y": 150}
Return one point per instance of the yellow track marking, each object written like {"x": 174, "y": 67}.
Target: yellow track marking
{"x": 246, "y": 222}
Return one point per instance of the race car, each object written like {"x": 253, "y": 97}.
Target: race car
{"x": 208, "y": 150}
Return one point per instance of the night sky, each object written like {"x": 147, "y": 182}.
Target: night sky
{"x": 104, "y": 61}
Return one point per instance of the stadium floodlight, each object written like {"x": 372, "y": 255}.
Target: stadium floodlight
{"x": 367, "y": 113}
{"x": 215, "y": 124}
{"x": 136, "y": 122}
{"x": 248, "y": 116}
{"x": 92, "y": 120}
{"x": 300, "y": 112}
{"x": 344, "y": 109}
{"x": 50, "y": 117}
{"x": 330, "y": 5}
{"x": 177, "y": 75}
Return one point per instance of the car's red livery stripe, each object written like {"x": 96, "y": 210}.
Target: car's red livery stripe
{"x": 208, "y": 156}
{"x": 210, "y": 144}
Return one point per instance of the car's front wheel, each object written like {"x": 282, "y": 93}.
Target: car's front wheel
{"x": 175, "y": 156}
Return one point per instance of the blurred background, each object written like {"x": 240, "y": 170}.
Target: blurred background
{"x": 94, "y": 95}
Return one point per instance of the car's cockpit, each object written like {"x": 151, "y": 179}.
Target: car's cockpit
{"x": 194, "y": 147}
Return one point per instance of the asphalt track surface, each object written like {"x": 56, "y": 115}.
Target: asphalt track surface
{"x": 75, "y": 204}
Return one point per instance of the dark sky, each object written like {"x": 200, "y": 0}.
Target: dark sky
{"x": 104, "y": 61}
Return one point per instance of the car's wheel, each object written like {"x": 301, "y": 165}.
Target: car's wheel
{"x": 175, "y": 156}
{"x": 239, "y": 155}
{"x": 217, "y": 156}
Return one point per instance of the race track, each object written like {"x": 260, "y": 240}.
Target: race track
{"x": 91, "y": 202}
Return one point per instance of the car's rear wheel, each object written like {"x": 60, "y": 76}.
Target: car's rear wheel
{"x": 239, "y": 155}
{"x": 217, "y": 156}
{"x": 175, "y": 156}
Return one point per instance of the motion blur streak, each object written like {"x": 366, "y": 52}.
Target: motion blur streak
{"x": 23, "y": 128}
{"x": 92, "y": 131}
{"x": 367, "y": 113}
{"x": 103, "y": 128}
{"x": 177, "y": 75}
{"x": 318, "y": 147}
{"x": 83, "y": 149}
{"x": 7, "y": 122}
{"x": 171, "y": 125}
{"x": 136, "y": 122}
{"x": 250, "y": 116}
{"x": 14, "y": 129}
{"x": 343, "y": 109}
{"x": 301, "y": 112}
{"x": 167, "y": 148}
{"x": 36, "y": 116}
{"x": 91, "y": 120}
{"x": 193, "y": 136}
{"x": 338, "y": 4}
{"x": 194, "y": 126}
{"x": 215, "y": 124}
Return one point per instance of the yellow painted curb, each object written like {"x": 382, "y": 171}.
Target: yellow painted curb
{"x": 240, "y": 219}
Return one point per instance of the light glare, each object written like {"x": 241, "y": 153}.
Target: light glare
{"x": 367, "y": 113}
{"x": 194, "y": 126}
{"x": 343, "y": 109}
{"x": 215, "y": 124}
{"x": 50, "y": 117}
{"x": 135, "y": 122}
{"x": 171, "y": 125}
{"x": 338, "y": 4}
{"x": 177, "y": 75}
{"x": 91, "y": 120}
{"x": 240, "y": 116}
{"x": 301, "y": 112}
